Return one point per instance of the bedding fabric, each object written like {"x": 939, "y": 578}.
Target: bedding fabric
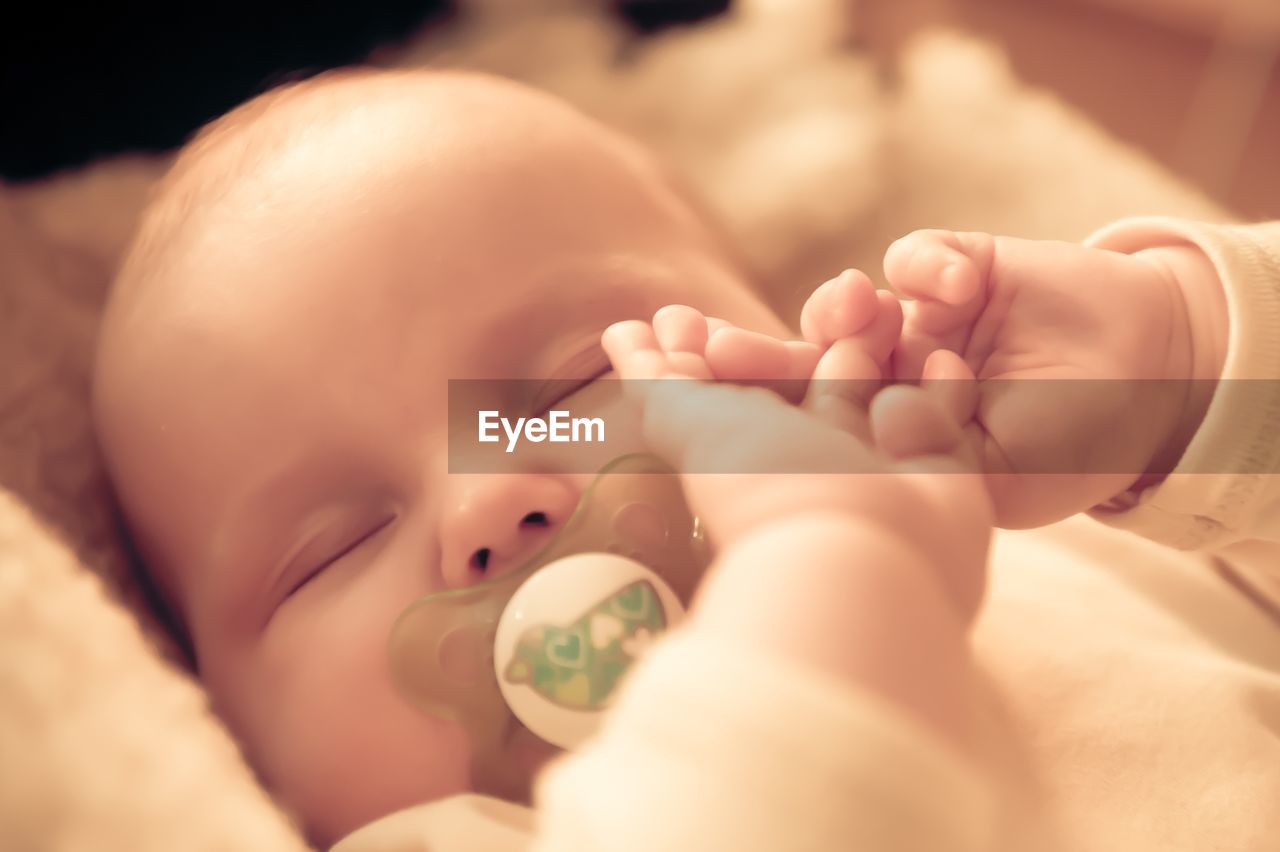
{"x": 106, "y": 742}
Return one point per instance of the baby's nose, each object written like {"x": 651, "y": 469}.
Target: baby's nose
{"x": 493, "y": 523}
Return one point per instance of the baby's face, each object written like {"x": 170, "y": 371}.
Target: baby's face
{"x": 275, "y": 410}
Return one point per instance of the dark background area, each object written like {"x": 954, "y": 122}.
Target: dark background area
{"x": 78, "y": 83}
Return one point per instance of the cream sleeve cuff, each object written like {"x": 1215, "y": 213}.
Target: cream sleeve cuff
{"x": 1222, "y": 488}
{"x": 713, "y": 749}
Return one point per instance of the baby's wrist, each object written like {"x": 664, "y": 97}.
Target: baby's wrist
{"x": 1206, "y": 332}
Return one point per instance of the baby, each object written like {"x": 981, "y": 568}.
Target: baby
{"x": 271, "y": 396}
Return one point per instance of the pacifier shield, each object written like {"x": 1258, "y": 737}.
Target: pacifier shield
{"x": 632, "y": 541}
{"x": 570, "y": 633}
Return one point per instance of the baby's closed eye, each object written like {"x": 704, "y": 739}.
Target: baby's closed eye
{"x": 327, "y": 545}
{"x": 576, "y": 374}
{"x": 566, "y": 393}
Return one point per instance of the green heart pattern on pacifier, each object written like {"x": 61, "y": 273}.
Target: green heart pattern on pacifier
{"x": 578, "y": 666}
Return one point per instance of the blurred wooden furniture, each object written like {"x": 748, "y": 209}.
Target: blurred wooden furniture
{"x": 1194, "y": 83}
{"x": 1248, "y": 20}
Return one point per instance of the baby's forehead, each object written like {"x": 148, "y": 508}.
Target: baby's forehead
{"x": 452, "y": 172}
{"x": 340, "y": 149}
{"x": 360, "y": 174}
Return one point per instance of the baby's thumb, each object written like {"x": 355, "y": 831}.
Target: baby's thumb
{"x": 946, "y": 276}
{"x": 946, "y": 268}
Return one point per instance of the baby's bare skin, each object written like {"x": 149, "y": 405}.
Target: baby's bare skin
{"x": 834, "y": 554}
{"x": 1117, "y": 355}
{"x": 1097, "y": 361}
{"x": 271, "y": 392}
{"x": 986, "y": 307}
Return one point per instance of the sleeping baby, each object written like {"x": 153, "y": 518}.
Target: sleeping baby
{"x": 271, "y": 396}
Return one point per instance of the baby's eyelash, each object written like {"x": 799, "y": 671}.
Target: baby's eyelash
{"x": 335, "y": 554}
{"x": 592, "y": 363}
{"x": 307, "y": 578}
{"x": 557, "y": 391}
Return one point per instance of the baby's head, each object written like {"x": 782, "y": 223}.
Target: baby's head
{"x": 272, "y": 376}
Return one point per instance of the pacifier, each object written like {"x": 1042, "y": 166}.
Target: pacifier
{"x": 541, "y": 650}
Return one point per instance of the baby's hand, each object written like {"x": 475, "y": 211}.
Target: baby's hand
{"x": 829, "y": 553}
{"x": 850, "y": 330}
{"x": 1097, "y": 346}
{"x": 749, "y": 458}
{"x": 855, "y": 328}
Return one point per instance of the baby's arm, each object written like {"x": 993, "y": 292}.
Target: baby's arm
{"x": 842, "y": 561}
{"x": 817, "y": 696}
{"x": 717, "y": 745}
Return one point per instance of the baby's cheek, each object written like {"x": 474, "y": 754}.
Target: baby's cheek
{"x": 365, "y": 758}
{"x": 333, "y": 740}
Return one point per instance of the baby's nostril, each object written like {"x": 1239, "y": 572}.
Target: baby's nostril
{"x": 481, "y": 558}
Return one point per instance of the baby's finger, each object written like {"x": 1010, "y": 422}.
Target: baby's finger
{"x": 843, "y": 385}
{"x": 714, "y": 324}
{"x": 850, "y": 307}
{"x": 884, "y": 331}
{"x": 688, "y": 365}
{"x": 747, "y": 357}
{"x": 680, "y": 328}
{"x": 839, "y": 308}
{"x": 804, "y": 357}
{"x": 908, "y": 422}
{"x": 948, "y": 275}
{"x": 623, "y": 341}
{"x": 853, "y": 369}
{"x": 948, "y": 379}
{"x": 944, "y": 266}
{"x": 736, "y": 354}
{"x": 633, "y": 350}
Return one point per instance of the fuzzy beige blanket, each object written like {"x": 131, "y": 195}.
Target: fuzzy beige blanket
{"x": 814, "y": 157}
